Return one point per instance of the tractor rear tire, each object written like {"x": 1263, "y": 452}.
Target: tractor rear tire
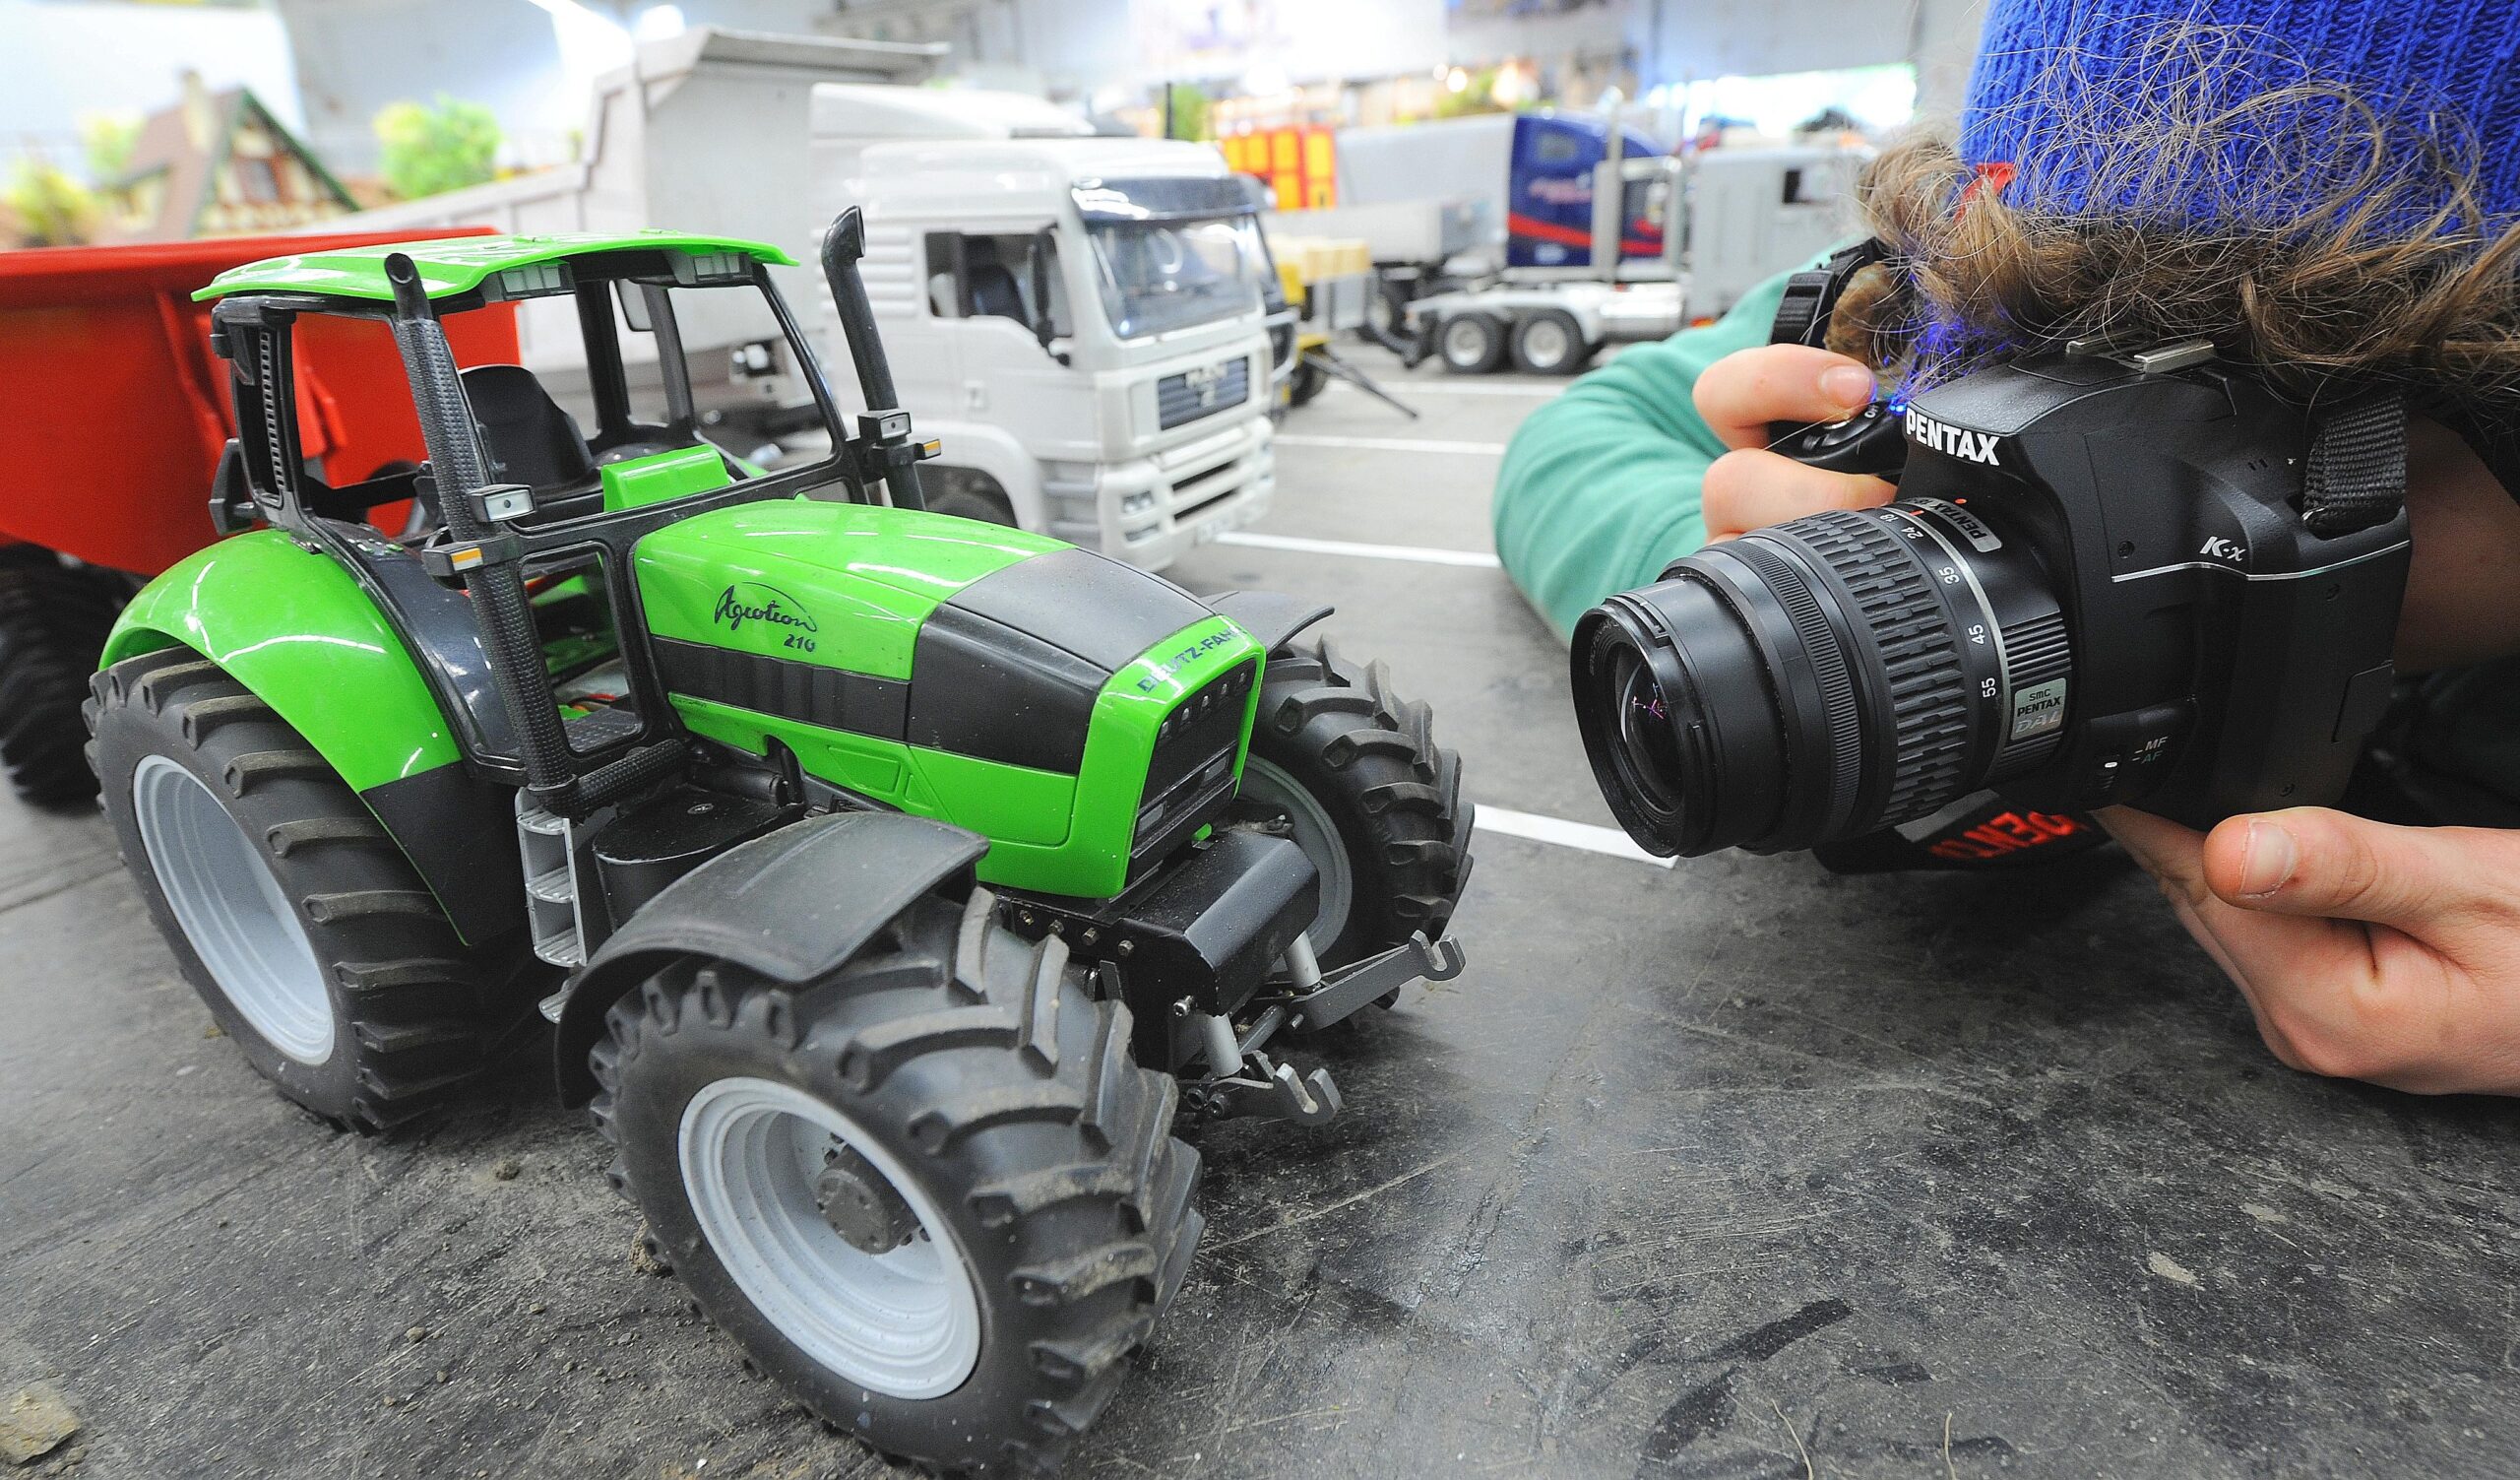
{"x": 1012, "y": 1214}
{"x": 1353, "y": 771}
{"x": 290, "y": 910}
{"x": 54, "y": 623}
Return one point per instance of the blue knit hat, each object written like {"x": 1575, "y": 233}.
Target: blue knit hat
{"x": 2063, "y": 87}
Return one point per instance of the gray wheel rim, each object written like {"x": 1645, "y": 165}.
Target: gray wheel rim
{"x": 231, "y": 909}
{"x": 905, "y": 1323}
{"x": 1269, "y": 786}
{"x": 1545, "y": 344}
{"x": 1465, "y": 342}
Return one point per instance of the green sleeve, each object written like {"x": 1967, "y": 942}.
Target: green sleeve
{"x": 1599, "y": 489}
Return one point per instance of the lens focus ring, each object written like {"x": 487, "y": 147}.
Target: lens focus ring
{"x": 1844, "y": 753}
{"x": 1893, "y": 595}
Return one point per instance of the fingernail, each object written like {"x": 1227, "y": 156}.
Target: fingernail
{"x": 1847, "y": 385}
{"x": 2269, "y": 860}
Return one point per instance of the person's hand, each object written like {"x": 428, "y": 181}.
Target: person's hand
{"x": 2368, "y": 951}
{"x": 1737, "y": 396}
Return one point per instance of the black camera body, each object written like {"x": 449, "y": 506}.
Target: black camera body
{"x": 2097, "y": 586}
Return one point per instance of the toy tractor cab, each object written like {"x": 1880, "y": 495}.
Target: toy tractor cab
{"x": 896, "y": 869}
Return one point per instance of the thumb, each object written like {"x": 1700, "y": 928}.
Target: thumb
{"x": 2311, "y": 861}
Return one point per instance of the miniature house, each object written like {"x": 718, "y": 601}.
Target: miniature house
{"x": 217, "y": 163}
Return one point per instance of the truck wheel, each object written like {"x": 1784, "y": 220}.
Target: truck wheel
{"x": 1471, "y": 343}
{"x": 53, "y": 622}
{"x": 929, "y": 1191}
{"x": 1387, "y": 314}
{"x": 1310, "y": 380}
{"x": 290, "y": 910}
{"x": 968, "y": 495}
{"x": 1550, "y": 342}
{"x": 1352, "y": 772}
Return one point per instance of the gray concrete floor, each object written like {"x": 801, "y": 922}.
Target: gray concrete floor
{"x": 1732, "y": 1169}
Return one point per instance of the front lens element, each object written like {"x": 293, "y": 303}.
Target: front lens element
{"x": 1819, "y": 680}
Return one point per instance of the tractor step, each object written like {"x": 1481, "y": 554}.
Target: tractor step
{"x": 547, "y": 841}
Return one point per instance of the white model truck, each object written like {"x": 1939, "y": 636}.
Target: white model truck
{"x": 705, "y": 130}
{"x": 1602, "y": 238}
{"x": 1138, "y": 429}
{"x": 1078, "y": 320}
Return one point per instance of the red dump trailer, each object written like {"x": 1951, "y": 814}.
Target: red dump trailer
{"x": 115, "y": 416}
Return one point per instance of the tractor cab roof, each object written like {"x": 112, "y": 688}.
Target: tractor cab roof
{"x": 500, "y": 267}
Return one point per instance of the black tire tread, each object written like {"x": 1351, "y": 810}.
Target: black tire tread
{"x": 1370, "y": 757}
{"x": 1088, "y": 1243}
{"x": 54, "y": 620}
{"x": 407, "y": 994}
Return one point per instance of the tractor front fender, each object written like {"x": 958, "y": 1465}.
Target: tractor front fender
{"x": 293, "y": 627}
{"x": 791, "y": 905}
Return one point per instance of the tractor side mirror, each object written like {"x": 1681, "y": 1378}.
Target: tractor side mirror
{"x": 231, "y": 502}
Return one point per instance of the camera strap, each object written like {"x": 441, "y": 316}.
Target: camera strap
{"x": 1978, "y": 833}
{"x": 2356, "y": 476}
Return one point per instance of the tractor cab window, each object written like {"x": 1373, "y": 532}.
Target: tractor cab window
{"x": 633, "y": 368}
{"x": 973, "y": 274}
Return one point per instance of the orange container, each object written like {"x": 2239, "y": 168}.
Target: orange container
{"x": 118, "y": 410}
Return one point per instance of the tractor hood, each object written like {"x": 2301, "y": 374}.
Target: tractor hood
{"x": 954, "y": 669}
{"x": 878, "y": 593}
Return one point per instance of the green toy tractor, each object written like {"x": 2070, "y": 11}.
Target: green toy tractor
{"x": 901, "y": 877}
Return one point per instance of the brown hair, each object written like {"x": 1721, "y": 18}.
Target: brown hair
{"x": 2340, "y": 239}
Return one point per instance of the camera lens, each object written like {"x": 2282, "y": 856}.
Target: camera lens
{"x": 1821, "y": 679}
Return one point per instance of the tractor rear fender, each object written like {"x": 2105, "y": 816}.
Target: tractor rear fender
{"x": 791, "y": 905}
{"x": 1270, "y": 618}
{"x": 293, "y": 627}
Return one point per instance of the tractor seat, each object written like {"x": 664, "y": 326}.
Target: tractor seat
{"x": 528, "y": 439}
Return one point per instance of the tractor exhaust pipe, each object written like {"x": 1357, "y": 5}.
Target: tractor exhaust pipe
{"x": 497, "y": 587}
{"x": 885, "y": 427}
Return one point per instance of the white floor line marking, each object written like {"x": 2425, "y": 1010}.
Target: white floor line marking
{"x": 1566, "y": 835}
{"x": 1406, "y": 388}
{"x": 1391, "y": 445}
{"x": 1424, "y": 555}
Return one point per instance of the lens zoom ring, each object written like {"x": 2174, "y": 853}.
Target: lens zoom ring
{"x": 1828, "y": 670}
{"x": 1927, "y": 691}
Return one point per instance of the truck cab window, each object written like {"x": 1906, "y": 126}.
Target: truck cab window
{"x": 972, "y": 276}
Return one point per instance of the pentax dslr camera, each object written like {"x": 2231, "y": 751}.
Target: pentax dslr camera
{"x": 2112, "y": 576}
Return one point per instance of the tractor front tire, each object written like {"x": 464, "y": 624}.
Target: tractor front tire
{"x": 1352, "y": 771}
{"x": 53, "y": 622}
{"x": 931, "y": 1191}
{"x": 290, "y": 910}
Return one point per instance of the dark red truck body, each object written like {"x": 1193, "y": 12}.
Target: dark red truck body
{"x": 117, "y": 410}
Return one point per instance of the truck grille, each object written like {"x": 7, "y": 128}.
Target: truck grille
{"x": 1192, "y": 766}
{"x": 1188, "y": 395}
